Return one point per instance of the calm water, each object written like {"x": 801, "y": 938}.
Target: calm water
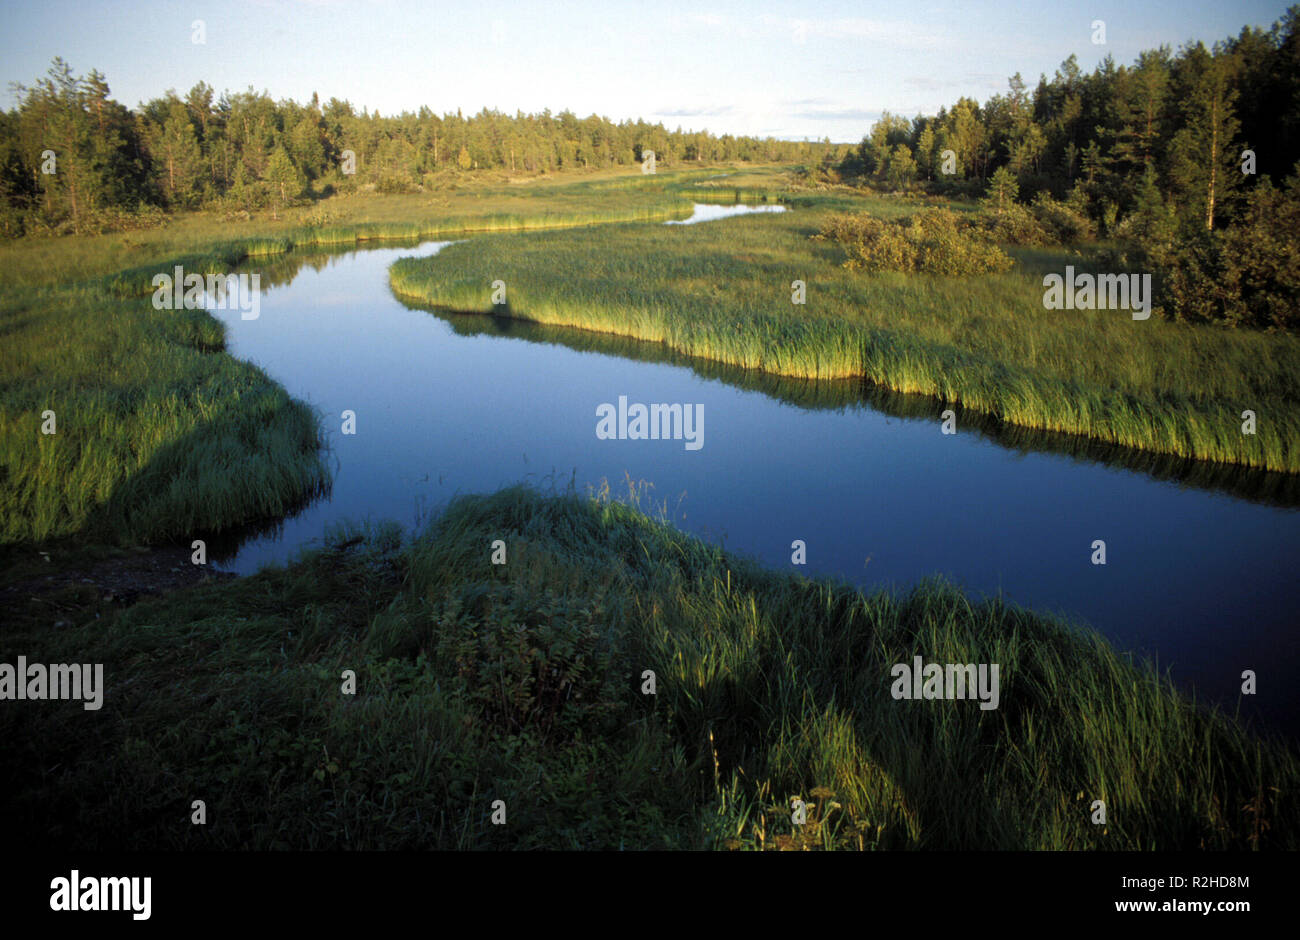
{"x": 1200, "y": 576}
{"x": 708, "y": 213}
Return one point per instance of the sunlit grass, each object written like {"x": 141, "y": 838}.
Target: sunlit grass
{"x": 158, "y": 434}
{"x": 523, "y": 683}
{"x": 161, "y": 435}
{"x": 722, "y": 291}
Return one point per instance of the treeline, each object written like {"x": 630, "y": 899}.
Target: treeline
{"x": 1187, "y": 161}
{"x": 72, "y": 158}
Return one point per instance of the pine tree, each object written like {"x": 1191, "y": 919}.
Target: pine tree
{"x": 1204, "y": 154}
{"x": 1002, "y": 189}
{"x": 902, "y": 168}
{"x": 925, "y": 152}
{"x": 308, "y": 150}
{"x": 286, "y": 178}
{"x": 180, "y": 162}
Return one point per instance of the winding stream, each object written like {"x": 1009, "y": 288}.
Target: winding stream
{"x": 1200, "y": 569}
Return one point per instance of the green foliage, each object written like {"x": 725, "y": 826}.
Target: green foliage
{"x": 247, "y": 151}
{"x": 932, "y": 241}
{"x": 1247, "y": 274}
{"x": 1204, "y": 164}
{"x": 1014, "y": 224}
{"x": 1003, "y": 190}
{"x": 530, "y": 661}
{"x": 1261, "y": 270}
{"x": 1139, "y": 148}
{"x": 286, "y": 180}
{"x": 900, "y": 169}
{"x": 1063, "y": 223}
{"x": 524, "y": 685}
{"x": 159, "y": 435}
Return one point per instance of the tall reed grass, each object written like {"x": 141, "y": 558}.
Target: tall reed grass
{"x": 523, "y": 683}
{"x": 721, "y": 291}
{"x": 160, "y": 434}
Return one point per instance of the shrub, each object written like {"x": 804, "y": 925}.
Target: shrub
{"x": 122, "y": 219}
{"x": 1261, "y": 266}
{"x": 933, "y": 241}
{"x": 1065, "y": 223}
{"x": 1247, "y": 274}
{"x": 1015, "y": 225}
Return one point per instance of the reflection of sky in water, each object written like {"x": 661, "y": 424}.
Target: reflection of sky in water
{"x": 709, "y": 213}
{"x": 1202, "y": 578}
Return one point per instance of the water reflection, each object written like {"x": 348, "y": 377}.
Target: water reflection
{"x": 707, "y": 212}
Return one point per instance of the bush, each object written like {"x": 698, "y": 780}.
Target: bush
{"x": 12, "y": 223}
{"x": 121, "y": 219}
{"x": 933, "y": 241}
{"x": 1015, "y": 225}
{"x": 1247, "y": 274}
{"x": 1261, "y": 266}
{"x": 1066, "y": 225}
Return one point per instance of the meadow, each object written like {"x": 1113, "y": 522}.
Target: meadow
{"x": 525, "y": 683}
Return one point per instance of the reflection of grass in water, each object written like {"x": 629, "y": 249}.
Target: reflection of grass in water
{"x": 522, "y": 682}
{"x": 721, "y": 292}
{"x": 1278, "y": 489}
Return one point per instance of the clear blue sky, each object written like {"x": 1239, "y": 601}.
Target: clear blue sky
{"x": 789, "y": 70}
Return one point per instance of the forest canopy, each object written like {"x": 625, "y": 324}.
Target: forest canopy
{"x": 74, "y": 159}
{"x": 1185, "y": 163}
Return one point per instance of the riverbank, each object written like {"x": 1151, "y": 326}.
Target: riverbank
{"x": 723, "y": 293}
{"x": 158, "y": 433}
{"x": 525, "y": 682}
{"x": 162, "y": 435}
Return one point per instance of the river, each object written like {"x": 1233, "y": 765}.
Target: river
{"x": 1200, "y": 562}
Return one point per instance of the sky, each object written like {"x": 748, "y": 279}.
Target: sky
{"x": 790, "y": 70}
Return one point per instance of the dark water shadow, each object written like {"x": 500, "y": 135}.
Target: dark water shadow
{"x": 1250, "y": 484}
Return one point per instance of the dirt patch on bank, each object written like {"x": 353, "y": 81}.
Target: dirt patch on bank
{"x": 46, "y": 584}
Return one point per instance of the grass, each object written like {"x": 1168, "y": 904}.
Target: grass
{"x": 522, "y": 683}
{"x": 160, "y": 434}
{"x": 484, "y": 205}
{"x": 722, "y": 292}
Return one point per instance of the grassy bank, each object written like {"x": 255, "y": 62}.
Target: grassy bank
{"x": 159, "y": 434}
{"x": 484, "y": 205}
{"x": 722, "y": 291}
{"x": 522, "y": 682}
